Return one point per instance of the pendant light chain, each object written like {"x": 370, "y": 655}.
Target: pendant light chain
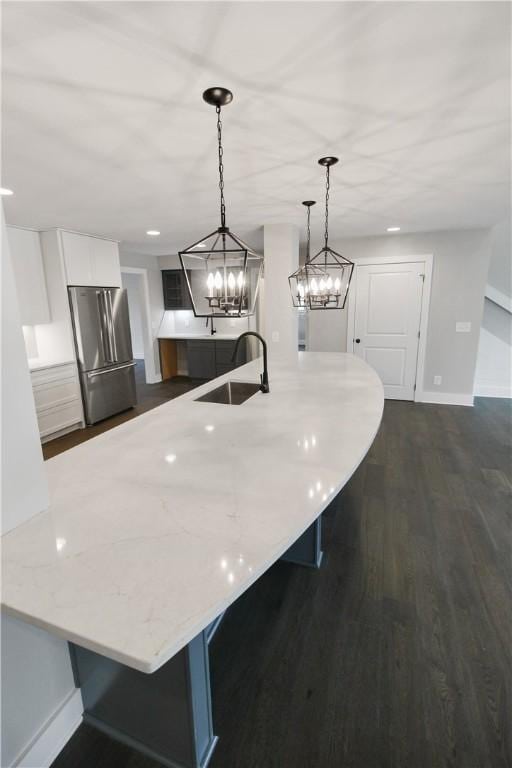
{"x": 327, "y": 187}
{"x": 221, "y": 170}
{"x": 308, "y": 249}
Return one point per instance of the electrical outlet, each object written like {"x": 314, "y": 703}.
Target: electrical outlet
{"x": 275, "y": 335}
{"x": 462, "y": 327}
{"x": 438, "y": 380}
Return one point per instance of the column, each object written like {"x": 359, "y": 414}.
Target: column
{"x": 279, "y": 319}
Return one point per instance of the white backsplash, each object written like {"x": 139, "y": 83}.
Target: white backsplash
{"x": 183, "y": 321}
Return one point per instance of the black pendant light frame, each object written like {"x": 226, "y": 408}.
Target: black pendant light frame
{"x": 209, "y": 265}
{"x": 298, "y": 280}
{"x": 328, "y": 273}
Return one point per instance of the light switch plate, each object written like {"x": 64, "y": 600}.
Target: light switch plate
{"x": 275, "y": 335}
{"x": 438, "y": 380}
{"x": 463, "y": 327}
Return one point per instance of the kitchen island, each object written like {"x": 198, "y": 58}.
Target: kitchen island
{"x": 158, "y": 525}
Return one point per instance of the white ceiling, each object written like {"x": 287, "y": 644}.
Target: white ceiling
{"x": 105, "y": 130}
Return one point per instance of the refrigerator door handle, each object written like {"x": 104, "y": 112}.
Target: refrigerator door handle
{"x": 102, "y": 307}
{"x": 112, "y": 332}
{"x": 91, "y": 374}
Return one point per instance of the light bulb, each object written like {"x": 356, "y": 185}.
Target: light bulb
{"x": 231, "y": 281}
{"x": 329, "y": 282}
{"x": 218, "y": 280}
{"x": 240, "y": 279}
{"x": 301, "y": 290}
{"x": 337, "y": 285}
{"x": 314, "y": 285}
{"x": 210, "y": 282}
{"x": 322, "y": 284}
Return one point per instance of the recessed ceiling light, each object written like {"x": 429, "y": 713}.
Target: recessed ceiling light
{"x": 153, "y": 232}
{"x": 393, "y": 229}
{"x": 5, "y": 191}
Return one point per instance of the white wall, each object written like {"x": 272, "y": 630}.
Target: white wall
{"x": 281, "y": 245}
{"x": 461, "y": 259}
{"x": 132, "y": 284}
{"x": 493, "y": 376}
{"x": 36, "y": 680}
{"x": 22, "y": 456}
{"x": 500, "y": 265}
{"x": 156, "y": 304}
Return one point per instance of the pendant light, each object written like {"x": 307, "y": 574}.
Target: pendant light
{"x": 222, "y": 272}
{"x": 299, "y": 279}
{"x": 328, "y": 273}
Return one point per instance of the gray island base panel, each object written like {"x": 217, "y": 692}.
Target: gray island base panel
{"x": 166, "y": 715}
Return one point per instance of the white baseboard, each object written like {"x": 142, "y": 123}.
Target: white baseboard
{"x": 444, "y": 398}
{"x": 53, "y": 736}
{"x": 490, "y": 390}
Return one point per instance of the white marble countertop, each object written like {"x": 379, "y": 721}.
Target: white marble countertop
{"x": 200, "y": 336}
{"x": 158, "y": 525}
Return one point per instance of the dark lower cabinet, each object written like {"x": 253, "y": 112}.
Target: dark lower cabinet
{"x": 201, "y": 359}
{"x": 208, "y": 359}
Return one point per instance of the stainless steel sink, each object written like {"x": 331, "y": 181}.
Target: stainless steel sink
{"x": 230, "y": 393}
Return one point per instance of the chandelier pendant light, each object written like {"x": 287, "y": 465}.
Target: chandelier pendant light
{"x": 328, "y": 273}
{"x": 299, "y": 279}
{"x": 222, "y": 272}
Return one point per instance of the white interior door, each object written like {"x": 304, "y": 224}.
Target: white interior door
{"x": 387, "y": 323}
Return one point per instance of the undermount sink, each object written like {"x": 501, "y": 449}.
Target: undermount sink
{"x": 230, "y": 393}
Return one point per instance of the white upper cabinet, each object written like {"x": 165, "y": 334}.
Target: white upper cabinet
{"x": 105, "y": 261}
{"x": 29, "y": 275}
{"x": 77, "y": 259}
{"x": 90, "y": 260}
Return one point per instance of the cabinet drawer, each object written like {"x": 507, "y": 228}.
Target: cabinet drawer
{"x": 55, "y": 419}
{"x": 58, "y": 373}
{"x": 54, "y": 393}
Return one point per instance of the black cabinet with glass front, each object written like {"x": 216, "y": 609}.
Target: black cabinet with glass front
{"x": 176, "y": 295}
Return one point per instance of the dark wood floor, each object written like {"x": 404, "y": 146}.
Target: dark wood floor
{"x": 397, "y": 652}
{"x": 148, "y": 396}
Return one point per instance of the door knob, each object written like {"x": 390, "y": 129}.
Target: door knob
{"x": 358, "y": 341}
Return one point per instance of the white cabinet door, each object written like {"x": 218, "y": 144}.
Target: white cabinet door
{"x": 106, "y": 265}
{"x": 78, "y": 259}
{"x": 91, "y": 260}
{"x": 27, "y": 261}
{"x": 387, "y": 322}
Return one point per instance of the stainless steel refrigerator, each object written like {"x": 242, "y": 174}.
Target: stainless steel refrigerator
{"x": 103, "y": 344}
